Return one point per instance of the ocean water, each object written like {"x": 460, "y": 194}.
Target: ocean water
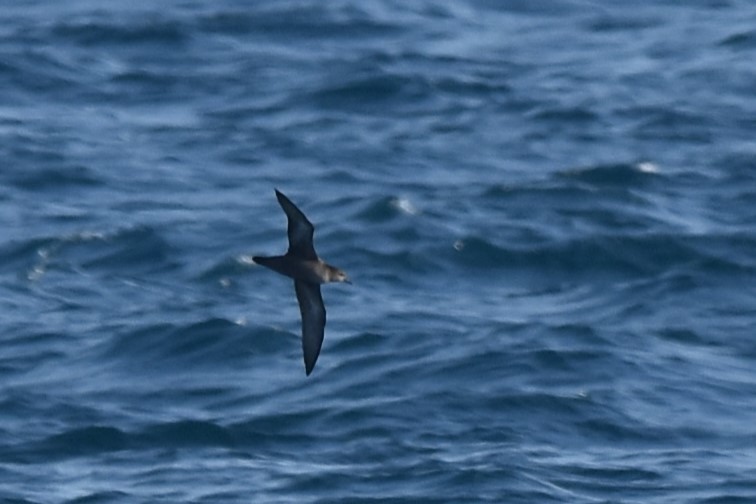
{"x": 548, "y": 210}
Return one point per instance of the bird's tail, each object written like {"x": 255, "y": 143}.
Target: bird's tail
{"x": 275, "y": 263}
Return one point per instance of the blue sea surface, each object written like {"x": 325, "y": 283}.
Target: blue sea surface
{"x": 548, "y": 210}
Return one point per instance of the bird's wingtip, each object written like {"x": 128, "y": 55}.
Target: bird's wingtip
{"x": 281, "y": 197}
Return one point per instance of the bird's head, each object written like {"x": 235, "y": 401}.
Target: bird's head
{"x": 337, "y": 275}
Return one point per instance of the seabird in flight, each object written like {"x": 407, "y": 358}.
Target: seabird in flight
{"x": 302, "y": 263}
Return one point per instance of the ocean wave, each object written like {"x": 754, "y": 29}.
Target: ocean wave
{"x": 124, "y": 251}
{"x": 742, "y": 40}
{"x": 62, "y": 176}
{"x": 42, "y": 70}
{"x": 208, "y": 343}
{"x": 102, "y": 497}
{"x": 96, "y": 29}
{"x": 187, "y": 433}
{"x": 635, "y": 254}
{"x": 621, "y": 175}
{"x": 301, "y": 21}
{"x": 227, "y": 269}
{"x": 83, "y": 441}
{"x": 98, "y": 439}
{"x": 386, "y": 209}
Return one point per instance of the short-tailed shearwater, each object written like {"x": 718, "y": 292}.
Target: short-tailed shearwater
{"x": 302, "y": 263}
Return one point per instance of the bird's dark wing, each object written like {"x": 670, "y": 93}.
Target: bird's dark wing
{"x": 300, "y": 229}
{"x": 313, "y": 321}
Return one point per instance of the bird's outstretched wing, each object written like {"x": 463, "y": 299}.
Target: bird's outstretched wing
{"x": 313, "y": 321}
{"x": 300, "y": 230}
